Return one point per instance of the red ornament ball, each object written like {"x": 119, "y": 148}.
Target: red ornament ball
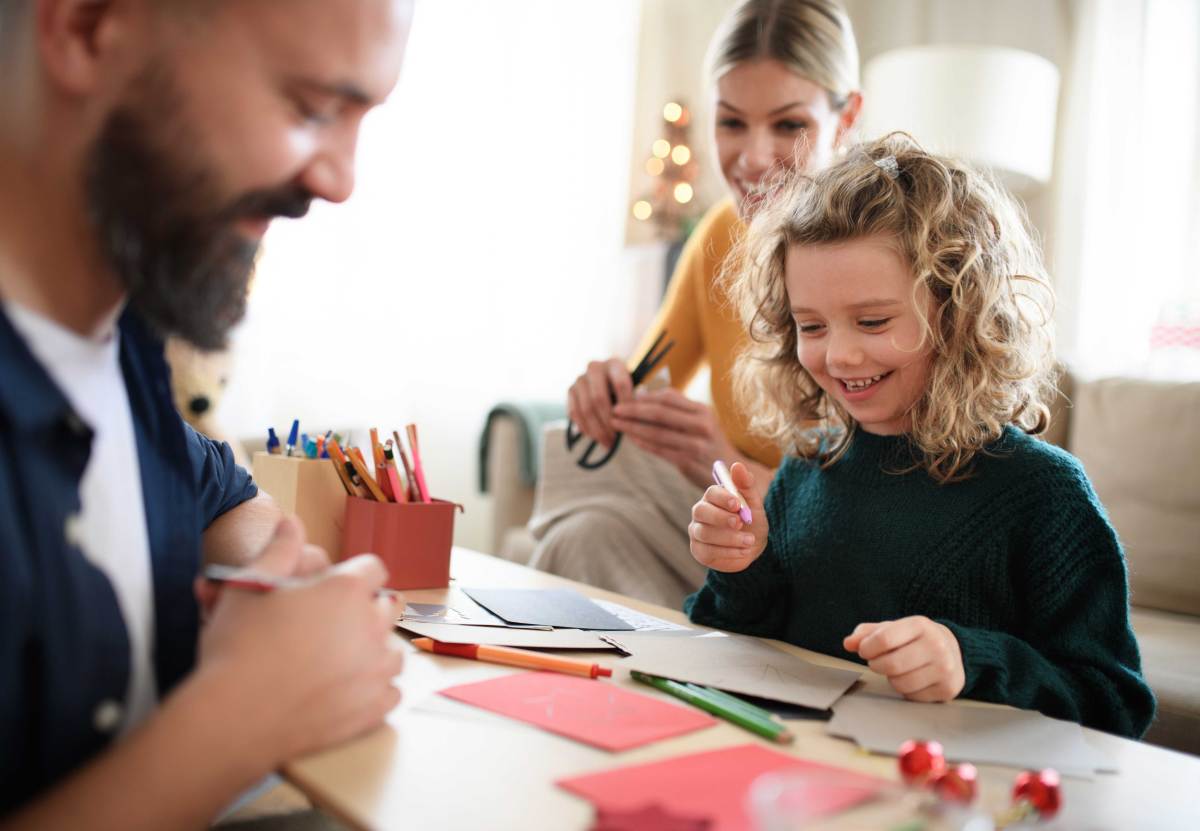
{"x": 957, "y": 784}
{"x": 1041, "y": 789}
{"x": 921, "y": 760}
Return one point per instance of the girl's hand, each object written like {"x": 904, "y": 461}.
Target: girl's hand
{"x": 673, "y": 427}
{"x": 920, "y": 658}
{"x": 590, "y": 399}
{"x": 719, "y": 538}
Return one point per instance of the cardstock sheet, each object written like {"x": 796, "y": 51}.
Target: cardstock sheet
{"x": 715, "y": 784}
{"x": 735, "y": 664}
{"x": 503, "y": 636}
{"x": 982, "y": 735}
{"x": 458, "y": 608}
{"x": 591, "y": 711}
{"x": 564, "y": 608}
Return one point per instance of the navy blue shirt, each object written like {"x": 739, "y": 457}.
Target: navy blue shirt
{"x": 64, "y": 649}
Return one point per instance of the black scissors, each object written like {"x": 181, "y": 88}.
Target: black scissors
{"x": 640, "y": 372}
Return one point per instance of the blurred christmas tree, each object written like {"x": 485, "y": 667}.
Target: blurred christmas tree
{"x": 669, "y": 201}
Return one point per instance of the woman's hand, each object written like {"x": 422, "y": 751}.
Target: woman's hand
{"x": 310, "y": 664}
{"x": 673, "y": 427}
{"x": 719, "y": 538}
{"x": 920, "y": 658}
{"x": 590, "y": 399}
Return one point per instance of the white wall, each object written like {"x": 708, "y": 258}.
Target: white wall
{"x": 481, "y": 256}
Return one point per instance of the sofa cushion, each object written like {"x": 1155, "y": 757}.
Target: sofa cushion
{"x": 1170, "y": 646}
{"x": 1140, "y": 444}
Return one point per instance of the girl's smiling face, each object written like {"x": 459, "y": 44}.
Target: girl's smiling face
{"x": 860, "y": 334}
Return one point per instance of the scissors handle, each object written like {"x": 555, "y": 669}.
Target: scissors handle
{"x": 574, "y": 434}
{"x": 650, "y": 360}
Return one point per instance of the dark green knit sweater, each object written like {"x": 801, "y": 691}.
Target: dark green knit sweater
{"x": 1019, "y": 562}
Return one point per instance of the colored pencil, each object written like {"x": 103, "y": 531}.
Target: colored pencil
{"x": 742, "y": 713}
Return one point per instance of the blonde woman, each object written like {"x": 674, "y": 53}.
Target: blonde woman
{"x": 921, "y": 529}
{"x": 785, "y": 94}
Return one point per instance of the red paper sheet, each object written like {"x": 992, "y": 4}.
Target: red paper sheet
{"x": 598, "y": 713}
{"x": 715, "y": 784}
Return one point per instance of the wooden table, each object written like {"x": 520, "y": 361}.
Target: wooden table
{"x": 442, "y": 766}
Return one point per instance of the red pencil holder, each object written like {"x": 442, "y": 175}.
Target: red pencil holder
{"x": 412, "y": 538}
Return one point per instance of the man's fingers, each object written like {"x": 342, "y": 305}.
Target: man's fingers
{"x": 313, "y": 560}
{"x": 367, "y": 568}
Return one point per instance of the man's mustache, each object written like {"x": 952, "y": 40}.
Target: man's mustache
{"x": 290, "y": 201}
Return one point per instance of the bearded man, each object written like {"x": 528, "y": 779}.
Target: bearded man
{"x": 145, "y": 146}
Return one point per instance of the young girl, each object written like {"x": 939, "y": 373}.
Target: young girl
{"x": 921, "y": 529}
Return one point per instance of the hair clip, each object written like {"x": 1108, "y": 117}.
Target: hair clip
{"x": 890, "y": 166}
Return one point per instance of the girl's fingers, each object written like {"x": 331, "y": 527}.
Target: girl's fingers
{"x": 912, "y": 656}
{"x": 852, "y": 641}
{"x": 912, "y": 682}
{"x": 721, "y": 498}
{"x": 727, "y": 538}
{"x": 936, "y": 692}
{"x": 890, "y": 636}
{"x": 706, "y": 513}
{"x": 720, "y": 558}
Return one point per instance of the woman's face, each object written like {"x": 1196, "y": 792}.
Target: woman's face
{"x": 769, "y": 117}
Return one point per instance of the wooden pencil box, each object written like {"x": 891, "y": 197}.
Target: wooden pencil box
{"x": 309, "y": 489}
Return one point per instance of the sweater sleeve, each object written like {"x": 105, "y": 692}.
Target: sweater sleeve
{"x": 680, "y": 313}
{"x": 1079, "y": 659}
{"x": 753, "y": 601}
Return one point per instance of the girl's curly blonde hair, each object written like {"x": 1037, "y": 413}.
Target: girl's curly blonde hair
{"x": 967, "y": 242}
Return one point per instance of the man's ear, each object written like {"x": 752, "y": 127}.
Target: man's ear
{"x": 81, "y": 41}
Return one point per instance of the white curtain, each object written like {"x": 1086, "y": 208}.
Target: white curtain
{"x": 1127, "y": 218}
{"x": 482, "y": 254}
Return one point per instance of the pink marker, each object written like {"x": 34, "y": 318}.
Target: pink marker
{"x": 723, "y": 478}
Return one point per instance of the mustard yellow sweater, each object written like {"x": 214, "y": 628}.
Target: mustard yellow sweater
{"x": 705, "y": 329}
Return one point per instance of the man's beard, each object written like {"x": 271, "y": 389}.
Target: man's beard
{"x": 165, "y": 229}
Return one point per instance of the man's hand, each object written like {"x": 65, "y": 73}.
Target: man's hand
{"x": 312, "y": 663}
{"x": 920, "y": 658}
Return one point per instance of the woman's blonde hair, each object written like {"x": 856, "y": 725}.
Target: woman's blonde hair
{"x": 813, "y": 38}
{"x": 968, "y": 244}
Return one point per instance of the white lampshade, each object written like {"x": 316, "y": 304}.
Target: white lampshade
{"x": 992, "y": 106}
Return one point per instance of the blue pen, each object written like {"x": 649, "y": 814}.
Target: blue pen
{"x": 310, "y": 448}
{"x": 292, "y": 436}
{"x": 272, "y": 441}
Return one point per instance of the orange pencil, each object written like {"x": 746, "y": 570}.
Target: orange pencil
{"x": 508, "y": 656}
{"x": 339, "y": 464}
{"x": 360, "y": 467}
{"x": 376, "y": 447}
